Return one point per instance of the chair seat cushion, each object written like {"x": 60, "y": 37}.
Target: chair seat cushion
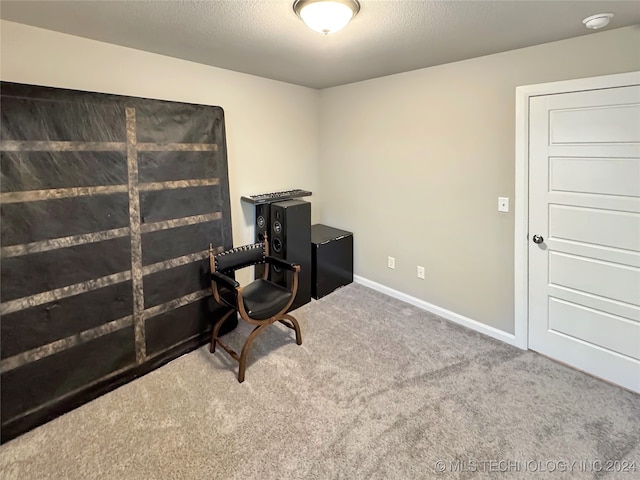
{"x": 263, "y": 299}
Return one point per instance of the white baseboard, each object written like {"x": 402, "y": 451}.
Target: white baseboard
{"x": 442, "y": 312}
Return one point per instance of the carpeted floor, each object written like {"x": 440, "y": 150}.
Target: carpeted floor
{"x": 378, "y": 390}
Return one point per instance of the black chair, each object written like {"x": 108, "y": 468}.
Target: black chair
{"x": 260, "y": 303}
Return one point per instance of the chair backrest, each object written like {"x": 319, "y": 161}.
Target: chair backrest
{"x": 240, "y": 257}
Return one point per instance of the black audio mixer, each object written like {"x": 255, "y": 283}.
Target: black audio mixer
{"x": 275, "y": 196}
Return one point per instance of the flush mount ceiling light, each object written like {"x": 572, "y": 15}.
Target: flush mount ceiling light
{"x": 597, "y": 21}
{"x": 326, "y": 16}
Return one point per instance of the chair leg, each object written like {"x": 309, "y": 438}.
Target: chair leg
{"x": 296, "y": 327}
{"x": 245, "y": 350}
{"x": 216, "y": 329}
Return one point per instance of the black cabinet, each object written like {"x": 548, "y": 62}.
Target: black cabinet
{"x": 331, "y": 259}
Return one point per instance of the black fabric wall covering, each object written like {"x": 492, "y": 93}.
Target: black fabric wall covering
{"x": 108, "y": 206}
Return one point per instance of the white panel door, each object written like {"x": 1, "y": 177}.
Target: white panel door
{"x": 584, "y": 231}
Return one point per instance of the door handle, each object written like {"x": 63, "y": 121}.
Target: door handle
{"x": 538, "y": 239}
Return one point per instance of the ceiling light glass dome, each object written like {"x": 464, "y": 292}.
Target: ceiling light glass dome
{"x": 326, "y": 16}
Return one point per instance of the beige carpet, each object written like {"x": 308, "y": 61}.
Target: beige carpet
{"x": 378, "y": 390}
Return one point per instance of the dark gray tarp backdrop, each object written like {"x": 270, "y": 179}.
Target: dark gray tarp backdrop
{"x": 108, "y": 206}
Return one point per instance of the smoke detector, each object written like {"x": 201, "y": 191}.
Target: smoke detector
{"x": 597, "y": 21}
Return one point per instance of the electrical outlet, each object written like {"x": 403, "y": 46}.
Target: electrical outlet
{"x": 420, "y": 272}
{"x": 391, "y": 262}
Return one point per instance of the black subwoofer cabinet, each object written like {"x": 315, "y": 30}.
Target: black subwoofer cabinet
{"x": 331, "y": 259}
{"x": 290, "y": 239}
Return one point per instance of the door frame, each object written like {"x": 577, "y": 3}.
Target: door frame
{"x": 521, "y": 243}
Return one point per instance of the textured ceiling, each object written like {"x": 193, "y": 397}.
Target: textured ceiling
{"x": 266, "y": 38}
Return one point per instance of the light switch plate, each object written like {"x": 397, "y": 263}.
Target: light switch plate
{"x": 503, "y": 204}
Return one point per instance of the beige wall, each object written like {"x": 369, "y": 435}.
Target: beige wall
{"x": 414, "y": 163}
{"x": 411, "y": 163}
{"x": 272, "y": 127}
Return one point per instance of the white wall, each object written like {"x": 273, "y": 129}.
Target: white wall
{"x": 414, "y": 163}
{"x": 272, "y": 127}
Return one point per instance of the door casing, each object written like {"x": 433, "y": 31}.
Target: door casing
{"x": 521, "y": 258}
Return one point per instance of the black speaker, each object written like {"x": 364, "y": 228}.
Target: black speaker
{"x": 262, "y": 221}
{"x": 263, "y": 224}
{"x": 290, "y": 239}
